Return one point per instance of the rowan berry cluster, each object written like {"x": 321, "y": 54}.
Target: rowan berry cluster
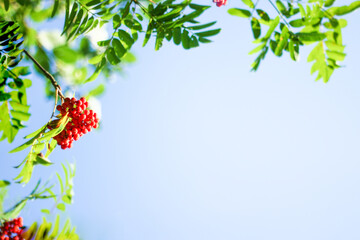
{"x": 12, "y": 230}
{"x": 220, "y": 3}
{"x": 81, "y": 121}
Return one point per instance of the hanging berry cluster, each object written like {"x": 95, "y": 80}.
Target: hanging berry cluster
{"x": 12, "y": 230}
{"x": 220, "y": 3}
{"x": 81, "y": 121}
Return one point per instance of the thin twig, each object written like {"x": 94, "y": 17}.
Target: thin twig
{"x": 252, "y": 13}
{"x": 56, "y": 99}
{"x": 47, "y": 74}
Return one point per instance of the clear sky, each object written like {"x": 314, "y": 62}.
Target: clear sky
{"x": 195, "y": 146}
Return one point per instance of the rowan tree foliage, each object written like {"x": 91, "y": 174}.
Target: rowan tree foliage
{"x": 70, "y": 57}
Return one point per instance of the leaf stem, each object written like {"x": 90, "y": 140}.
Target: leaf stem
{"x": 47, "y": 74}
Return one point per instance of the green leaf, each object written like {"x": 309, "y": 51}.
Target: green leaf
{"x": 185, "y": 39}
{"x": 61, "y": 183}
{"x": 148, "y": 32}
{"x": 96, "y": 59}
{"x": 3, "y": 192}
{"x": 159, "y": 39}
{"x": 25, "y": 145}
{"x": 126, "y": 38}
{"x": 199, "y": 27}
{"x": 15, "y": 211}
{"x": 280, "y": 6}
{"x": 208, "y": 33}
{"x": 104, "y": 43}
{"x": 311, "y": 36}
{"x": 273, "y": 25}
{"x": 256, "y": 28}
{"x": 177, "y": 35}
{"x": 46, "y": 211}
{"x": 67, "y": 9}
{"x": 283, "y": 41}
{"x": 4, "y": 96}
{"x": 4, "y": 183}
{"x": 92, "y": 3}
{"x": 76, "y": 24}
{"x": 66, "y": 199}
{"x": 42, "y": 160}
{"x": 129, "y": 58}
{"x": 9, "y": 131}
{"x": 197, "y": 7}
{"x": 118, "y": 47}
{"x": 52, "y": 133}
{"x": 171, "y": 15}
{"x": 194, "y": 42}
{"x": 69, "y": 21}
{"x": 263, "y": 15}
{"x": 343, "y": 10}
{"x": 302, "y": 10}
{"x": 50, "y": 147}
{"x": 257, "y": 49}
{"x": 38, "y": 147}
{"x": 37, "y": 132}
{"x": 97, "y": 72}
{"x": 320, "y": 65}
{"x": 293, "y": 53}
{"x": 19, "y": 107}
{"x": 99, "y": 90}
{"x": 338, "y": 56}
{"x": 22, "y": 116}
{"x": 249, "y": 3}
{"x": 334, "y": 46}
{"x": 6, "y": 4}
{"x": 55, "y": 8}
{"x": 55, "y": 231}
{"x": 239, "y": 12}
{"x": 329, "y": 3}
{"x": 111, "y": 56}
{"x": 61, "y": 206}
{"x": 297, "y": 23}
{"x": 116, "y": 21}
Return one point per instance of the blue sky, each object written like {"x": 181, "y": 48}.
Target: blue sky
{"x": 195, "y": 146}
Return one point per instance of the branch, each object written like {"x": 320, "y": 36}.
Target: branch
{"x": 47, "y": 74}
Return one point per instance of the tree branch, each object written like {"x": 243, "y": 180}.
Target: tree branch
{"x": 47, "y": 74}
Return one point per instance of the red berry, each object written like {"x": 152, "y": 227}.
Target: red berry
{"x": 11, "y": 230}
{"x": 76, "y": 137}
{"x": 81, "y": 121}
{"x": 220, "y": 3}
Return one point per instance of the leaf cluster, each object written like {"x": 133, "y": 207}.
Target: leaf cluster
{"x": 41, "y": 139}
{"x": 39, "y": 192}
{"x": 51, "y": 231}
{"x": 13, "y": 100}
{"x": 296, "y": 25}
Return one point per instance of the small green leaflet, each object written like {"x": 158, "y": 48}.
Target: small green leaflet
{"x": 239, "y": 12}
{"x": 4, "y": 183}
